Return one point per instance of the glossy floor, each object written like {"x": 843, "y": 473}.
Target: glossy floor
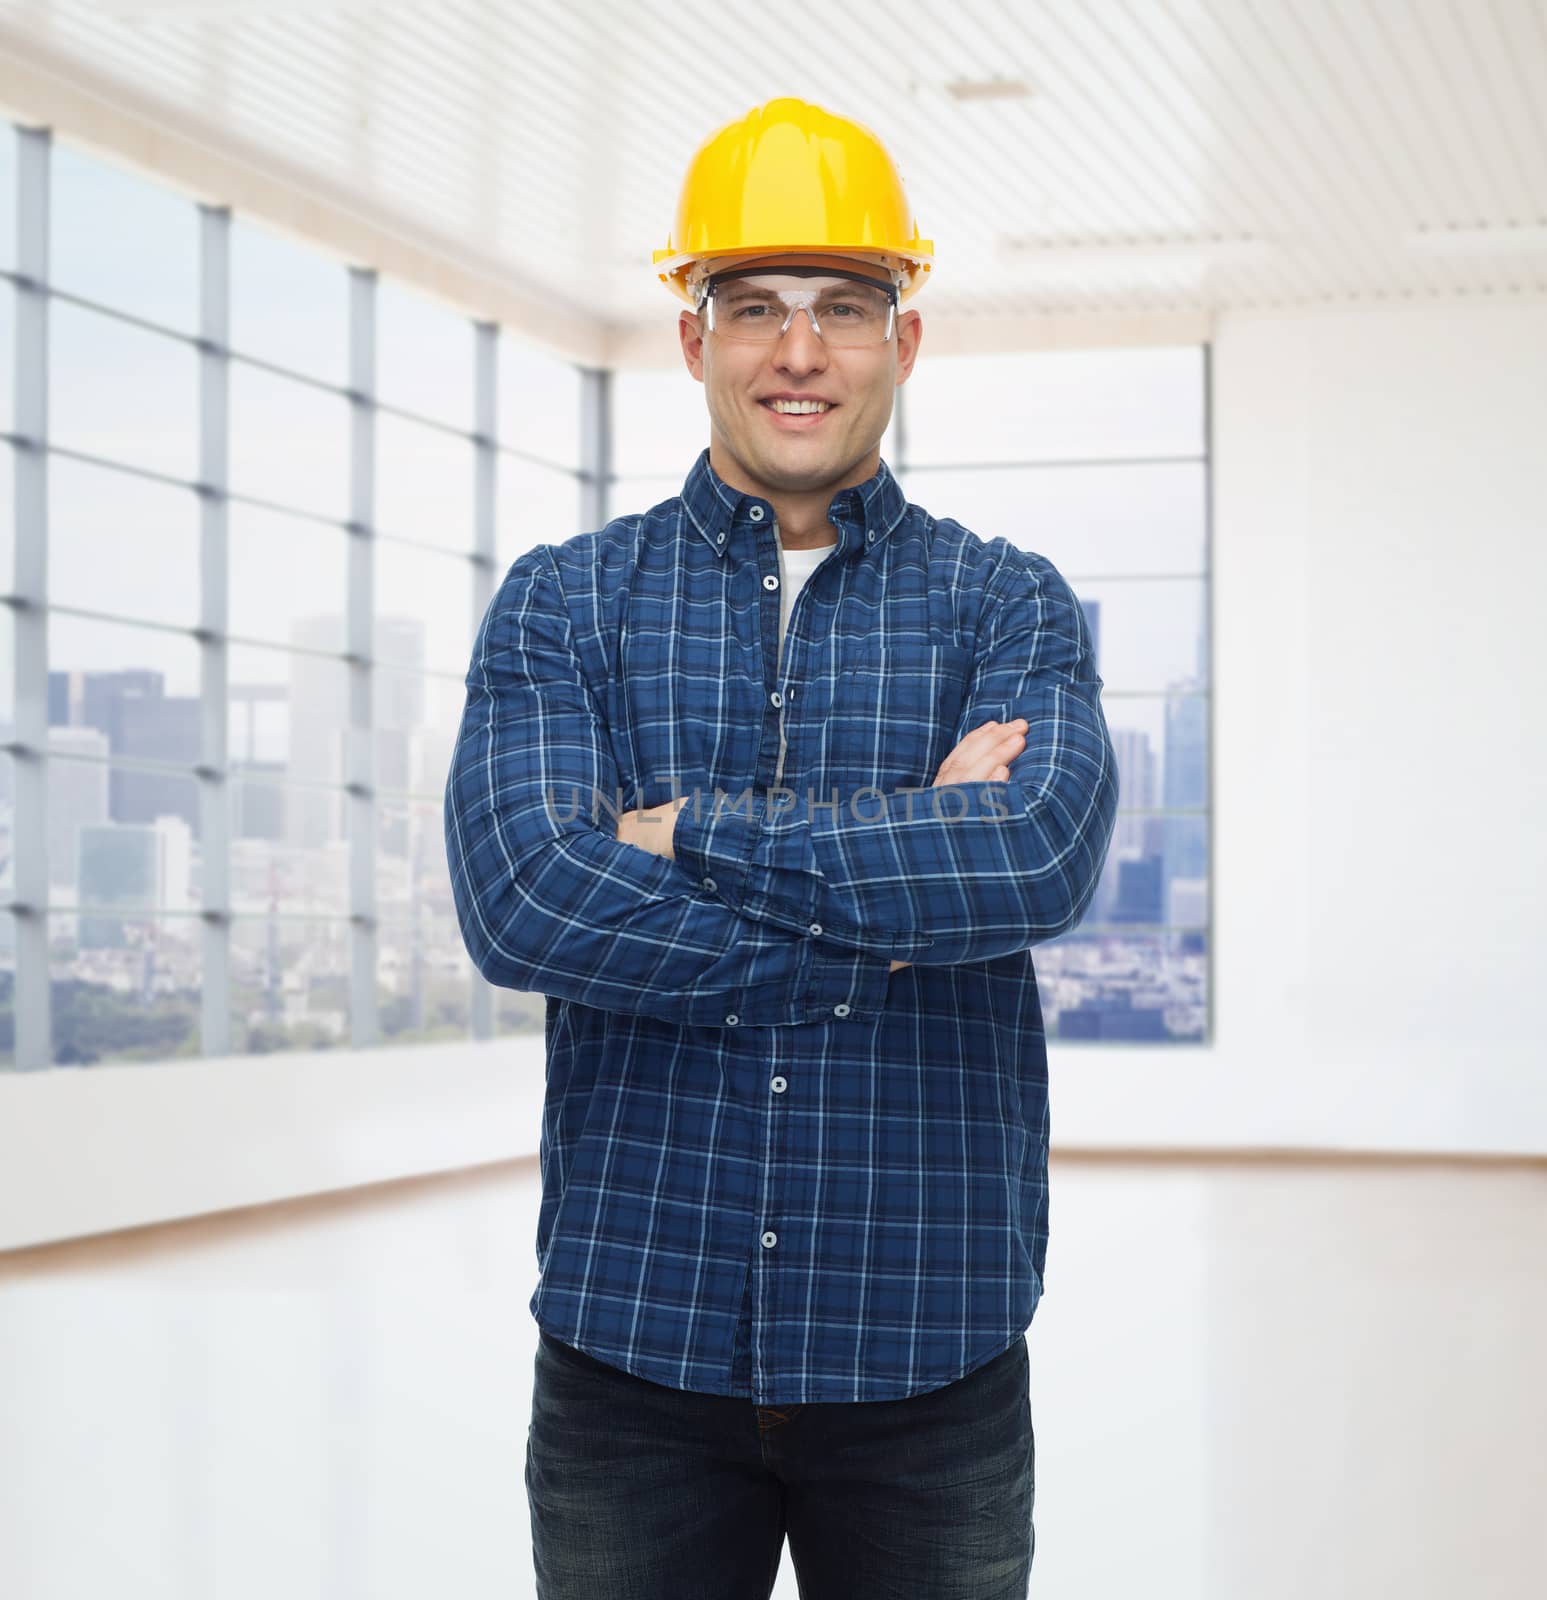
{"x": 1248, "y": 1379}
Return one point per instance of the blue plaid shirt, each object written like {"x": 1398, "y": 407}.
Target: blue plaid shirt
{"x": 771, "y": 1166}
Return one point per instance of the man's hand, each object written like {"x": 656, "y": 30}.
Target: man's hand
{"x": 984, "y": 754}
{"x": 652, "y": 828}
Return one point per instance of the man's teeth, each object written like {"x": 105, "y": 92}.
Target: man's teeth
{"x": 798, "y": 408}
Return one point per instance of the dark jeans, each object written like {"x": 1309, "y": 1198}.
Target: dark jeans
{"x": 643, "y": 1492}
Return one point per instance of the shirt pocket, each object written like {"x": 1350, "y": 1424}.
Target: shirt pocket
{"x": 893, "y": 716}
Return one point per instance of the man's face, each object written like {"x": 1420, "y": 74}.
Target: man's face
{"x": 792, "y": 454}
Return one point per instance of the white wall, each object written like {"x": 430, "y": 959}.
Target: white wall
{"x": 1380, "y": 557}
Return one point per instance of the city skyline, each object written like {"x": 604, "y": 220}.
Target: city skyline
{"x": 290, "y": 859}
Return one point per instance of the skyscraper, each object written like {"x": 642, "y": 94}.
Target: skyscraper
{"x": 1186, "y": 777}
{"x": 77, "y": 797}
{"x": 319, "y": 721}
{"x": 133, "y": 711}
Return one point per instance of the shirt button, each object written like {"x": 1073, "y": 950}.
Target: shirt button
{"x": 770, "y": 1239}
{"x": 814, "y": 929}
{"x": 779, "y": 1085}
{"x": 719, "y": 538}
{"x": 870, "y": 538}
{"x": 756, "y": 513}
{"x": 777, "y": 698}
{"x": 770, "y": 582}
{"x": 840, "y": 1011}
{"x": 709, "y": 884}
{"x": 732, "y": 1020}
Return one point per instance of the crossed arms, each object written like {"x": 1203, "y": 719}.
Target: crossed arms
{"x": 549, "y": 901}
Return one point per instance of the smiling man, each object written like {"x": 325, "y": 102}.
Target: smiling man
{"x": 771, "y": 789}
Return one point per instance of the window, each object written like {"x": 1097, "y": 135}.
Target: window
{"x": 224, "y": 823}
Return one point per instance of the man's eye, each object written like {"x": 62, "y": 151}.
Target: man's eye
{"x": 843, "y": 311}
{"x": 749, "y": 313}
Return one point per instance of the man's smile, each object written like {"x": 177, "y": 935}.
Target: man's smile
{"x": 796, "y": 412}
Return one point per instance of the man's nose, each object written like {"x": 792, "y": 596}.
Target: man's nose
{"x": 800, "y": 347}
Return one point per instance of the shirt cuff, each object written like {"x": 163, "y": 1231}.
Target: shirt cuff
{"x": 713, "y": 844}
{"x": 846, "y": 984}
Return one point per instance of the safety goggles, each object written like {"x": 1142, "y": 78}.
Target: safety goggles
{"x": 848, "y": 311}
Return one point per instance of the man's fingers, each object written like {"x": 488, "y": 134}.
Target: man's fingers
{"x": 988, "y": 729}
{"x": 981, "y": 753}
{"x": 983, "y": 740}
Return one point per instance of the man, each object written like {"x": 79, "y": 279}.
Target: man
{"x": 794, "y": 1146}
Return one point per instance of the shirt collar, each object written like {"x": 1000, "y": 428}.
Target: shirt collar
{"x": 723, "y": 516}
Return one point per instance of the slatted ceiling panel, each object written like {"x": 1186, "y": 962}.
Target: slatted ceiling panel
{"x": 546, "y": 141}
{"x": 1122, "y": 169}
{"x": 1501, "y": 49}
{"x": 1171, "y": 139}
{"x": 979, "y": 171}
{"x": 1072, "y": 142}
{"x": 627, "y": 88}
{"x": 1441, "y": 60}
{"x": 1372, "y": 196}
{"x": 1428, "y": 115}
{"x": 1392, "y": 173}
{"x": 396, "y": 127}
{"x": 1282, "y": 162}
{"x": 1294, "y": 153}
{"x": 1291, "y": 152}
{"x": 1479, "y": 61}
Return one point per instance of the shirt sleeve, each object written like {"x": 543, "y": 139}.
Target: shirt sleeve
{"x": 548, "y": 898}
{"x": 968, "y": 871}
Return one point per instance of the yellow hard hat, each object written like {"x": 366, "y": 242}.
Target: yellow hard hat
{"x": 790, "y": 176}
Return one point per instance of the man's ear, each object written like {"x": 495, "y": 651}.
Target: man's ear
{"x": 910, "y": 331}
{"x": 690, "y": 333}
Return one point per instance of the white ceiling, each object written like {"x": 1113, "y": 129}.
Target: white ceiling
{"x": 1072, "y": 161}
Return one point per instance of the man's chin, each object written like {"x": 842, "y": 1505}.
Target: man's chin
{"x": 803, "y": 472}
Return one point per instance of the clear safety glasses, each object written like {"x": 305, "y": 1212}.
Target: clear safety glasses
{"x": 847, "y": 310}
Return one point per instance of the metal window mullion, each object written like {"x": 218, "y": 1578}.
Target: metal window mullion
{"x": 595, "y": 446}
{"x": 360, "y": 758}
{"x": 214, "y": 617}
{"x": 34, "y": 1023}
{"x": 485, "y": 488}
{"x": 1210, "y": 865}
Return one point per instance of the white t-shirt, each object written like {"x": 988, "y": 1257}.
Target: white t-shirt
{"x": 795, "y": 566}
